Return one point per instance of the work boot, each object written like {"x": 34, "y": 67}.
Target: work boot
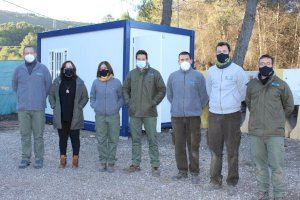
{"x": 63, "y": 161}
{"x": 75, "y": 161}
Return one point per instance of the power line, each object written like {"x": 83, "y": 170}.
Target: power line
{"x": 33, "y": 11}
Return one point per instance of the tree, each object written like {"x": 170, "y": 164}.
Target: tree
{"x": 12, "y": 34}
{"x": 29, "y": 40}
{"x": 10, "y": 53}
{"x": 126, "y": 15}
{"x": 166, "y": 12}
{"x": 149, "y": 11}
{"x": 108, "y": 18}
{"x": 246, "y": 32}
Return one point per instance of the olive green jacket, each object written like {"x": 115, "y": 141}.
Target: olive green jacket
{"x": 143, "y": 91}
{"x": 81, "y": 99}
{"x": 269, "y": 105}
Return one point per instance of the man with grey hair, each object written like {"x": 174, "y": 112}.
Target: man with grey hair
{"x": 31, "y": 81}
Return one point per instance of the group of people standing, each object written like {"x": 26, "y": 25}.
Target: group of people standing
{"x": 225, "y": 86}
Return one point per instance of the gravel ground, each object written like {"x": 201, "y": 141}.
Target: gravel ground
{"x": 87, "y": 182}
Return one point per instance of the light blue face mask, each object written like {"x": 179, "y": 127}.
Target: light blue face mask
{"x": 141, "y": 63}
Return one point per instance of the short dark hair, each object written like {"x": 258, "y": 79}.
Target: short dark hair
{"x": 267, "y": 56}
{"x": 30, "y": 46}
{"x": 224, "y": 44}
{"x": 141, "y": 52}
{"x": 184, "y": 53}
{"x": 64, "y": 66}
{"x": 109, "y": 68}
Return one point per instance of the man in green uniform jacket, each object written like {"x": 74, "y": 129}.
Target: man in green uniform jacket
{"x": 143, "y": 90}
{"x": 269, "y": 100}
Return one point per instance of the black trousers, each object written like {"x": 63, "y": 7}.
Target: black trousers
{"x": 64, "y": 134}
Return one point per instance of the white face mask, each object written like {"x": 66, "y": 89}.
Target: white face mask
{"x": 141, "y": 63}
{"x": 29, "y": 58}
{"x": 185, "y": 65}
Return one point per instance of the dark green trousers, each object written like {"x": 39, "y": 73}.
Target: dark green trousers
{"x": 136, "y": 135}
{"x": 32, "y": 123}
{"x": 187, "y": 134}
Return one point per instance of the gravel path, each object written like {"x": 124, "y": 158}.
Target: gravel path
{"x": 88, "y": 183}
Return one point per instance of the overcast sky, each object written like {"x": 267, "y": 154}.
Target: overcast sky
{"x": 91, "y": 11}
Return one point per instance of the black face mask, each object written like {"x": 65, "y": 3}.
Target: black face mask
{"x": 266, "y": 71}
{"x": 103, "y": 73}
{"x": 69, "y": 72}
{"x": 222, "y": 57}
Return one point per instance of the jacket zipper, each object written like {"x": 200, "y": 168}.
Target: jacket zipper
{"x": 221, "y": 91}
{"x": 141, "y": 91}
{"x": 30, "y": 91}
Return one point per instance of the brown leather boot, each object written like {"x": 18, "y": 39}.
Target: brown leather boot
{"x": 63, "y": 161}
{"x": 75, "y": 162}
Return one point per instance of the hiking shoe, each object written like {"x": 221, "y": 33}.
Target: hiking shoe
{"x": 155, "y": 172}
{"x": 180, "y": 176}
{"x": 23, "y": 164}
{"x": 110, "y": 168}
{"x": 38, "y": 164}
{"x": 195, "y": 179}
{"x": 133, "y": 168}
{"x": 103, "y": 167}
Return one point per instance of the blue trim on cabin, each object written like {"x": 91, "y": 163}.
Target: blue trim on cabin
{"x": 192, "y": 47}
{"x": 84, "y": 29}
{"x": 117, "y": 24}
{"x": 166, "y": 125}
{"x": 160, "y": 28}
{"x": 126, "y": 56}
{"x": 39, "y": 48}
{"x": 127, "y": 25}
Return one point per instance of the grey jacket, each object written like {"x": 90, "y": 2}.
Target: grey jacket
{"x": 106, "y": 97}
{"x": 32, "y": 90}
{"x": 186, "y": 91}
{"x": 81, "y": 99}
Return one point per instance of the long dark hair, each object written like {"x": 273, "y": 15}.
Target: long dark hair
{"x": 109, "y": 68}
{"x": 64, "y": 66}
